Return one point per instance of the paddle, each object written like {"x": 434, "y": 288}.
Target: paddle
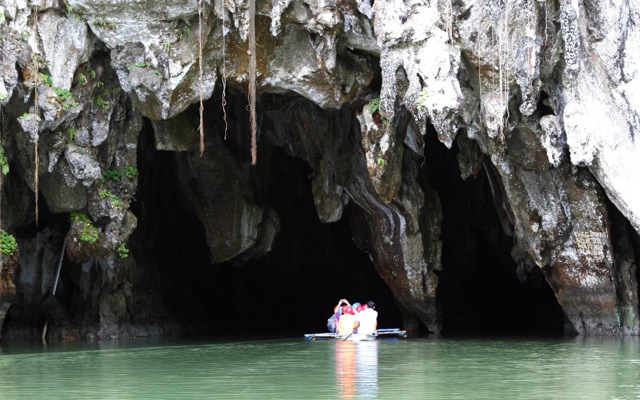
{"x": 349, "y": 335}
{"x": 352, "y": 332}
{"x": 355, "y": 327}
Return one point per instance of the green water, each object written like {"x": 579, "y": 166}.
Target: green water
{"x": 295, "y": 369}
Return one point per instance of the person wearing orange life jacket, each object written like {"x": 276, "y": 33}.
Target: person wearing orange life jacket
{"x": 347, "y": 322}
{"x": 332, "y": 322}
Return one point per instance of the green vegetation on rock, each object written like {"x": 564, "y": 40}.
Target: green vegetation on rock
{"x": 46, "y": 78}
{"x": 72, "y": 133}
{"x": 422, "y": 99}
{"x": 374, "y": 105}
{"x": 8, "y": 244}
{"x": 66, "y": 98}
{"x": 111, "y": 174}
{"x": 130, "y": 172}
{"x": 4, "y": 162}
{"x": 87, "y": 232}
{"x": 123, "y": 251}
{"x": 115, "y": 201}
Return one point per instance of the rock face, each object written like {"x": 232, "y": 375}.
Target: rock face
{"x": 541, "y": 97}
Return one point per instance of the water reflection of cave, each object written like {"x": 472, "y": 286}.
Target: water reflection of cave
{"x": 291, "y": 290}
{"x": 479, "y": 290}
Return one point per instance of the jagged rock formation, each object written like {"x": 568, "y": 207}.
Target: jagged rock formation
{"x": 539, "y": 97}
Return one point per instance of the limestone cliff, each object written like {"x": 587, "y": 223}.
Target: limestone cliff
{"x": 540, "y": 99}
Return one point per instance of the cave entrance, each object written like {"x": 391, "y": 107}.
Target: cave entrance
{"x": 479, "y": 289}
{"x": 289, "y": 291}
{"x": 292, "y": 289}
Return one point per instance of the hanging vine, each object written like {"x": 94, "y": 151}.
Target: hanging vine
{"x": 3, "y": 170}
{"x": 200, "y": 77}
{"x": 35, "y": 106}
{"x": 252, "y": 79}
{"x": 224, "y": 72}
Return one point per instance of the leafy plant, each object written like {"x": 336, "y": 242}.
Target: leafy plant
{"x": 122, "y": 250}
{"x": 83, "y": 79}
{"x": 91, "y": 72}
{"x": 66, "y": 98}
{"x": 4, "y": 162}
{"x": 115, "y": 201}
{"x": 100, "y": 102}
{"x": 166, "y": 45}
{"x": 8, "y": 244}
{"x": 72, "y": 133}
{"x": 374, "y": 109}
{"x": 3, "y": 96}
{"x": 87, "y": 232}
{"x": 374, "y": 105}
{"x": 67, "y": 7}
{"x": 111, "y": 174}
{"x": 381, "y": 161}
{"x": 422, "y": 99}
{"x": 145, "y": 64}
{"x": 130, "y": 172}
{"x": 46, "y": 78}
{"x": 184, "y": 31}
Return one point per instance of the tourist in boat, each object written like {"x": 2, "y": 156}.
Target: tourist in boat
{"x": 347, "y": 322}
{"x": 368, "y": 319}
{"x": 332, "y": 322}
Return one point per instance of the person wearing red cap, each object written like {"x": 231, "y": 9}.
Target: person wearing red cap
{"x": 347, "y": 322}
{"x": 332, "y": 322}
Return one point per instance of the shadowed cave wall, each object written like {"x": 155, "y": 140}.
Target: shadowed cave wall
{"x": 479, "y": 287}
{"x": 312, "y": 265}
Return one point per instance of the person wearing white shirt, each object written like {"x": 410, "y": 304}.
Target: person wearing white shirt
{"x": 368, "y": 319}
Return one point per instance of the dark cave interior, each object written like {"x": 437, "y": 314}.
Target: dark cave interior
{"x": 293, "y": 288}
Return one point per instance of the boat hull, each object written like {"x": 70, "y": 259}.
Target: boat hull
{"x": 358, "y": 337}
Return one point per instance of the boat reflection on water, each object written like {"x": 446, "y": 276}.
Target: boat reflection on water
{"x": 357, "y": 369}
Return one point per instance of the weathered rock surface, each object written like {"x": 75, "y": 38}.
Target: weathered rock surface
{"x": 542, "y": 96}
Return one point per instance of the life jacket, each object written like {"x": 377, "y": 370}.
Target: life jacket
{"x": 346, "y": 324}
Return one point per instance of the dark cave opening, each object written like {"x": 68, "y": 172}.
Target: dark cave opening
{"x": 479, "y": 290}
{"x": 292, "y": 289}
{"x": 289, "y": 291}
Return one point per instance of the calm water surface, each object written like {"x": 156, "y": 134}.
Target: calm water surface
{"x": 295, "y": 369}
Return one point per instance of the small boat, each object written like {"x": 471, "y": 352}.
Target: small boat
{"x": 380, "y": 334}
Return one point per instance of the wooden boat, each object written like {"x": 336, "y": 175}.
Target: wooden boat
{"x": 380, "y": 334}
